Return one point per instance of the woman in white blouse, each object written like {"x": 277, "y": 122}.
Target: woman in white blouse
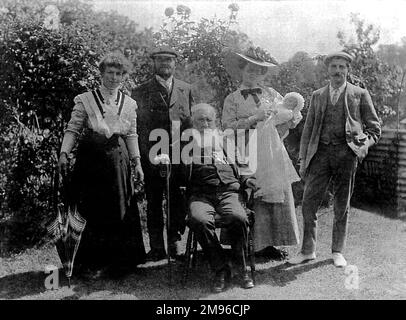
{"x": 103, "y": 125}
{"x": 253, "y": 106}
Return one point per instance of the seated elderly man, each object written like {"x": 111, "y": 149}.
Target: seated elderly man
{"x": 213, "y": 184}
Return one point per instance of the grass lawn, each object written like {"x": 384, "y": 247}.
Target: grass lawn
{"x": 376, "y": 250}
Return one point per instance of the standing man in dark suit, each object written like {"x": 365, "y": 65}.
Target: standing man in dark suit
{"x": 341, "y": 125}
{"x": 163, "y": 103}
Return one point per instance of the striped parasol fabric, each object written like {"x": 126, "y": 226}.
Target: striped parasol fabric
{"x": 65, "y": 231}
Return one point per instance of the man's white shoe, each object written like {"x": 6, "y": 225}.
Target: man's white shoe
{"x": 339, "y": 260}
{"x": 301, "y": 258}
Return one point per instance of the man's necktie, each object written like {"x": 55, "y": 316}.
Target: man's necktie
{"x": 254, "y": 92}
{"x": 166, "y": 86}
{"x": 336, "y": 95}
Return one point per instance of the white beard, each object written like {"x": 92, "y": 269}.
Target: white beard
{"x": 209, "y": 138}
{"x": 211, "y": 141}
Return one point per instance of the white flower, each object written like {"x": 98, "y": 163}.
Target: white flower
{"x": 4, "y": 10}
{"x": 51, "y": 10}
{"x": 51, "y": 21}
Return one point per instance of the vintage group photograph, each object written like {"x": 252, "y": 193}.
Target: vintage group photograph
{"x": 220, "y": 150}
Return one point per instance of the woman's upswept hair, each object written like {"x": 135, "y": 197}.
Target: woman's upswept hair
{"x": 242, "y": 63}
{"x": 117, "y": 60}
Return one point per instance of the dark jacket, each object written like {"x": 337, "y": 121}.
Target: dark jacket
{"x": 157, "y": 109}
{"x": 211, "y": 177}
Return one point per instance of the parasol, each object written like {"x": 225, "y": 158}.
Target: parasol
{"x": 65, "y": 230}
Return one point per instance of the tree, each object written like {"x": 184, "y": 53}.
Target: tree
{"x": 369, "y": 70}
{"x": 203, "y": 45}
{"x": 395, "y": 55}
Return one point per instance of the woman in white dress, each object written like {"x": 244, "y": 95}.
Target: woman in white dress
{"x": 254, "y": 106}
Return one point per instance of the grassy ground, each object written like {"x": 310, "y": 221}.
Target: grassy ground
{"x": 376, "y": 247}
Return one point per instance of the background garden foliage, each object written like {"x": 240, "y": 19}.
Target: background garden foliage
{"x": 49, "y": 54}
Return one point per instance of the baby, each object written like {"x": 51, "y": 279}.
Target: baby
{"x": 288, "y": 112}
{"x": 292, "y": 101}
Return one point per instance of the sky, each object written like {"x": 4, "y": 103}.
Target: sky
{"x": 281, "y": 27}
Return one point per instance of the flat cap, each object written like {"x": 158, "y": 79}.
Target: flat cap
{"x": 339, "y": 54}
{"x": 164, "y": 51}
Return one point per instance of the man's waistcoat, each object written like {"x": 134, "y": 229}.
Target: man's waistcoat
{"x": 333, "y": 128}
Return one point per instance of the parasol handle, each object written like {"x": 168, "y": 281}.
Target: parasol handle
{"x": 65, "y": 189}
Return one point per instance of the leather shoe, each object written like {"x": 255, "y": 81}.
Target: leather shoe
{"x": 339, "y": 260}
{"x": 301, "y": 258}
{"x": 247, "y": 282}
{"x": 220, "y": 279}
{"x": 156, "y": 255}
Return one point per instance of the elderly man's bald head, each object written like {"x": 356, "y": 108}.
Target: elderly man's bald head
{"x": 198, "y": 108}
{"x": 203, "y": 116}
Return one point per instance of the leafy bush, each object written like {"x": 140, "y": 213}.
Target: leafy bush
{"x": 369, "y": 70}
{"x": 46, "y": 60}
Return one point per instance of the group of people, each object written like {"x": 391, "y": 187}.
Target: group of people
{"x": 114, "y": 133}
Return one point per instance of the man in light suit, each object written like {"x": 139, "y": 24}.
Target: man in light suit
{"x": 164, "y": 102}
{"x": 341, "y": 125}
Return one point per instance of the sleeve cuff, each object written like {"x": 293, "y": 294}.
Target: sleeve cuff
{"x": 132, "y": 146}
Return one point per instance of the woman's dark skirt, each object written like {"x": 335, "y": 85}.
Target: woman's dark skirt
{"x": 103, "y": 190}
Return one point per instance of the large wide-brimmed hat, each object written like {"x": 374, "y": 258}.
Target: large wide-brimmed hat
{"x": 164, "y": 51}
{"x": 232, "y": 61}
{"x": 339, "y": 54}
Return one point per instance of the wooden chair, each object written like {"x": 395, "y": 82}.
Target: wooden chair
{"x": 191, "y": 244}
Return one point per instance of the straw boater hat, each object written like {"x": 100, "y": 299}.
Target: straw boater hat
{"x": 340, "y": 54}
{"x": 232, "y": 61}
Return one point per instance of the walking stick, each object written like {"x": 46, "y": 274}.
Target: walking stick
{"x": 168, "y": 219}
{"x": 166, "y": 173}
